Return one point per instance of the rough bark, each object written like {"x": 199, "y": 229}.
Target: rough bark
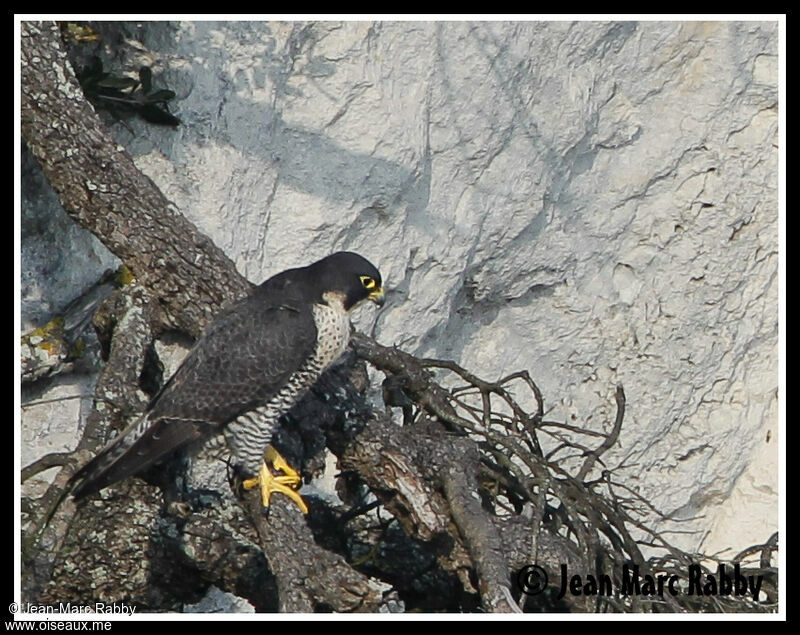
{"x": 101, "y": 188}
{"x": 188, "y": 280}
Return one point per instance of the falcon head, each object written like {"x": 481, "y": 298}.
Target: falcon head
{"x": 350, "y": 277}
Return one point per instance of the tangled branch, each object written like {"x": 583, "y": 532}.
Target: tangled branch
{"x": 597, "y": 517}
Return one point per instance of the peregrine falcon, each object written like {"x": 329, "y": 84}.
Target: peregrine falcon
{"x": 251, "y": 364}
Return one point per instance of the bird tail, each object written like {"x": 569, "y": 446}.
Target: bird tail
{"x": 146, "y": 442}
{"x": 109, "y": 466}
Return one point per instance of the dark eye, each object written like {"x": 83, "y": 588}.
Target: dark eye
{"x": 369, "y": 283}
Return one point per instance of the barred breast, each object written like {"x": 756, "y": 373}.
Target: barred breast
{"x": 249, "y": 435}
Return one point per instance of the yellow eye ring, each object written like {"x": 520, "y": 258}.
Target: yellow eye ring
{"x": 368, "y": 282}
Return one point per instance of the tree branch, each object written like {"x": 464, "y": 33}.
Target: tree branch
{"x": 188, "y": 277}
{"x": 103, "y": 191}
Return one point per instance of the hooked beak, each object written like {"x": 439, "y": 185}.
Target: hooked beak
{"x": 378, "y": 296}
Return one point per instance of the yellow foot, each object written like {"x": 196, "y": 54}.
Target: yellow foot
{"x": 285, "y": 483}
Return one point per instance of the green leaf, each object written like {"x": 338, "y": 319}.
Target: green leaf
{"x": 120, "y": 83}
{"x": 146, "y": 77}
{"x": 154, "y": 114}
{"x": 161, "y": 96}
